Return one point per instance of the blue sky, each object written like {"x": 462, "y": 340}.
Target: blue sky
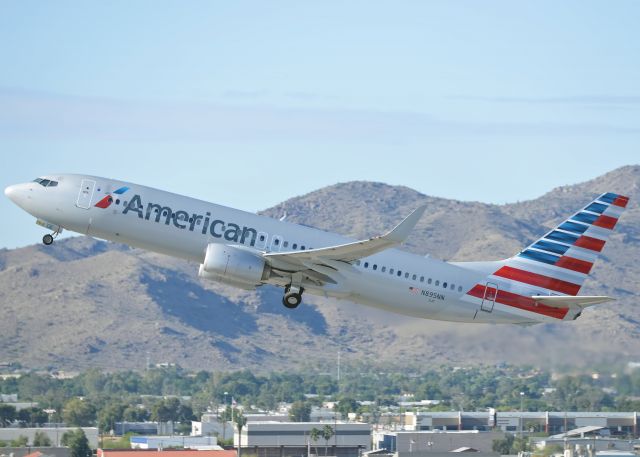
{"x": 250, "y": 103}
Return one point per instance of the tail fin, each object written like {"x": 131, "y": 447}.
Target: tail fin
{"x": 555, "y": 265}
{"x": 559, "y": 262}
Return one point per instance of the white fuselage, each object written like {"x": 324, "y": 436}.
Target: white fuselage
{"x": 183, "y": 227}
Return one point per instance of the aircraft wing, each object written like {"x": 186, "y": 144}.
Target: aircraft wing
{"x": 569, "y": 301}
{"x": 345, "y": 253}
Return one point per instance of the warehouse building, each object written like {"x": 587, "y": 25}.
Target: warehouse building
{"x": 618, "y": 423}
{"x": 54, "y": 433}
{"x": 435, "y": 441}
{"x": 292, "y": 439}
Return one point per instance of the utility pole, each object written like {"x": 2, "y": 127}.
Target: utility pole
{"x": 521, "y": 414}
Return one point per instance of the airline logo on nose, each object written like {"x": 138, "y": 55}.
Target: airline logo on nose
{"x": 106, "y": 201}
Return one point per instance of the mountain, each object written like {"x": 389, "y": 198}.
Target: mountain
{"x": 87, "y": 303}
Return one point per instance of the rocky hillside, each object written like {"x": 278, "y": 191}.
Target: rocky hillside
{"x": 84, "y": 303}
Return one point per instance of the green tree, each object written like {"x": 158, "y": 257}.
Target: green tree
{"x": 502, "y": 446}
{"x": 21, "y": 441}
{"x": 79, "y": 413}
{"x": 7, "y": 414}
{"x": 300, "y": 412}
{"x": 327, "y": 434}
{"x": 32, "y": 416}
{"x": 347, "y": 405}
{"x": 135, "y": 414}
{"x": 315, "y": 435}
{"x": 166, "y": 410}
{"x": 109, "y": 415}
{"x": 41, "y": 439}
{"x": 78, "y": 443}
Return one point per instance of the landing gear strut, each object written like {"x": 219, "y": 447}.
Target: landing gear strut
{"x": 293, "y": 292}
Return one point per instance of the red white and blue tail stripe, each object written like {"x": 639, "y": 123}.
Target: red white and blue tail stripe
{"x": 558, "y": 263}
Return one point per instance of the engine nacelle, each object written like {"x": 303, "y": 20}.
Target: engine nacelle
{"x": 235, "y": 266}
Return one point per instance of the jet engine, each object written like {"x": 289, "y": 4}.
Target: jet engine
{"x": 233, "y": 265}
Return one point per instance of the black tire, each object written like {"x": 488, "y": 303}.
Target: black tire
{"x": 291, "y": 300}
{"x": 47, "y": 239}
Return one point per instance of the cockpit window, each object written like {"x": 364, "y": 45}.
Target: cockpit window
{"x": 46, "y": 182}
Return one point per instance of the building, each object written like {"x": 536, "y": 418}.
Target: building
{"x": 143, "y": 428}
{"x": 54, "y": 434}
{"x": 165, "y": 453}
{"x": 435, "y": 441}
{"x": 210, "y": 425}
{"x": 289, "y": 439}
{"x": 618, "y": 423}
{"x": 585, "y": 440}
{"x": 174, "y": 441}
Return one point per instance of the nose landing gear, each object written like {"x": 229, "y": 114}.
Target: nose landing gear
{"x": 47, "y": 240}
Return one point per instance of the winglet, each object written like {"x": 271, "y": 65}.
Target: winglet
{"x": 404, "y": 228}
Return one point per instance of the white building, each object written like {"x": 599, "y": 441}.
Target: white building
{"x": 283, "y": 439}
{"x": 174, "y": 441}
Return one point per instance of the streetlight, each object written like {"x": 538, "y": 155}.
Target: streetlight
{"x": 521, "y": 413}
{"x": 224, "y": 422}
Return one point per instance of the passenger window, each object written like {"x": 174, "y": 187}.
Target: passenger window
{"x": 384, "y": 269}
{"x": 406, "y": 275}
{"x": 453, "y": 286}
{"x": 429, "y": 281}
{"x": 399, "y": 273}
{"x": 390, "y": 271}
{"x": 459, "y": 288}
{"x": 414, "y": 277}
{"x": 375, "y": 266}
{"x": 358, "y": 262}
{"x": 421, "y": 278}
{"x": 366, "y": 264}
{"x": 277, "y": 242}
{"x": 444, "y": 284}
{"x": 295, "y": 246}
{"x": 437, "y": 282}
{"x": 302, "y": 248}
{"x": 261, "y": 236}
{"x": 285, "y": 244}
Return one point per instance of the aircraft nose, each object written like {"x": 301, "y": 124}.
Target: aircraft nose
{"x": 15, "y": 193}
{"x": 10, "y": 192}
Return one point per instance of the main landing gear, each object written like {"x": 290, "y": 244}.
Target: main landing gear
{"x": 292, "y": 296}
{"x": 293, "y": 292}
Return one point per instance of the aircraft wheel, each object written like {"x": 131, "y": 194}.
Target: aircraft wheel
{"x": 291, "y": 300}
{"x": 47, "y": 239}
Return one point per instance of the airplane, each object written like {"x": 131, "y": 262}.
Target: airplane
{"x": 245, "y": 250}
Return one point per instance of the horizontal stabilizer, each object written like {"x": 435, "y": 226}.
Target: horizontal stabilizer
{"x": 567, "y": 301}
